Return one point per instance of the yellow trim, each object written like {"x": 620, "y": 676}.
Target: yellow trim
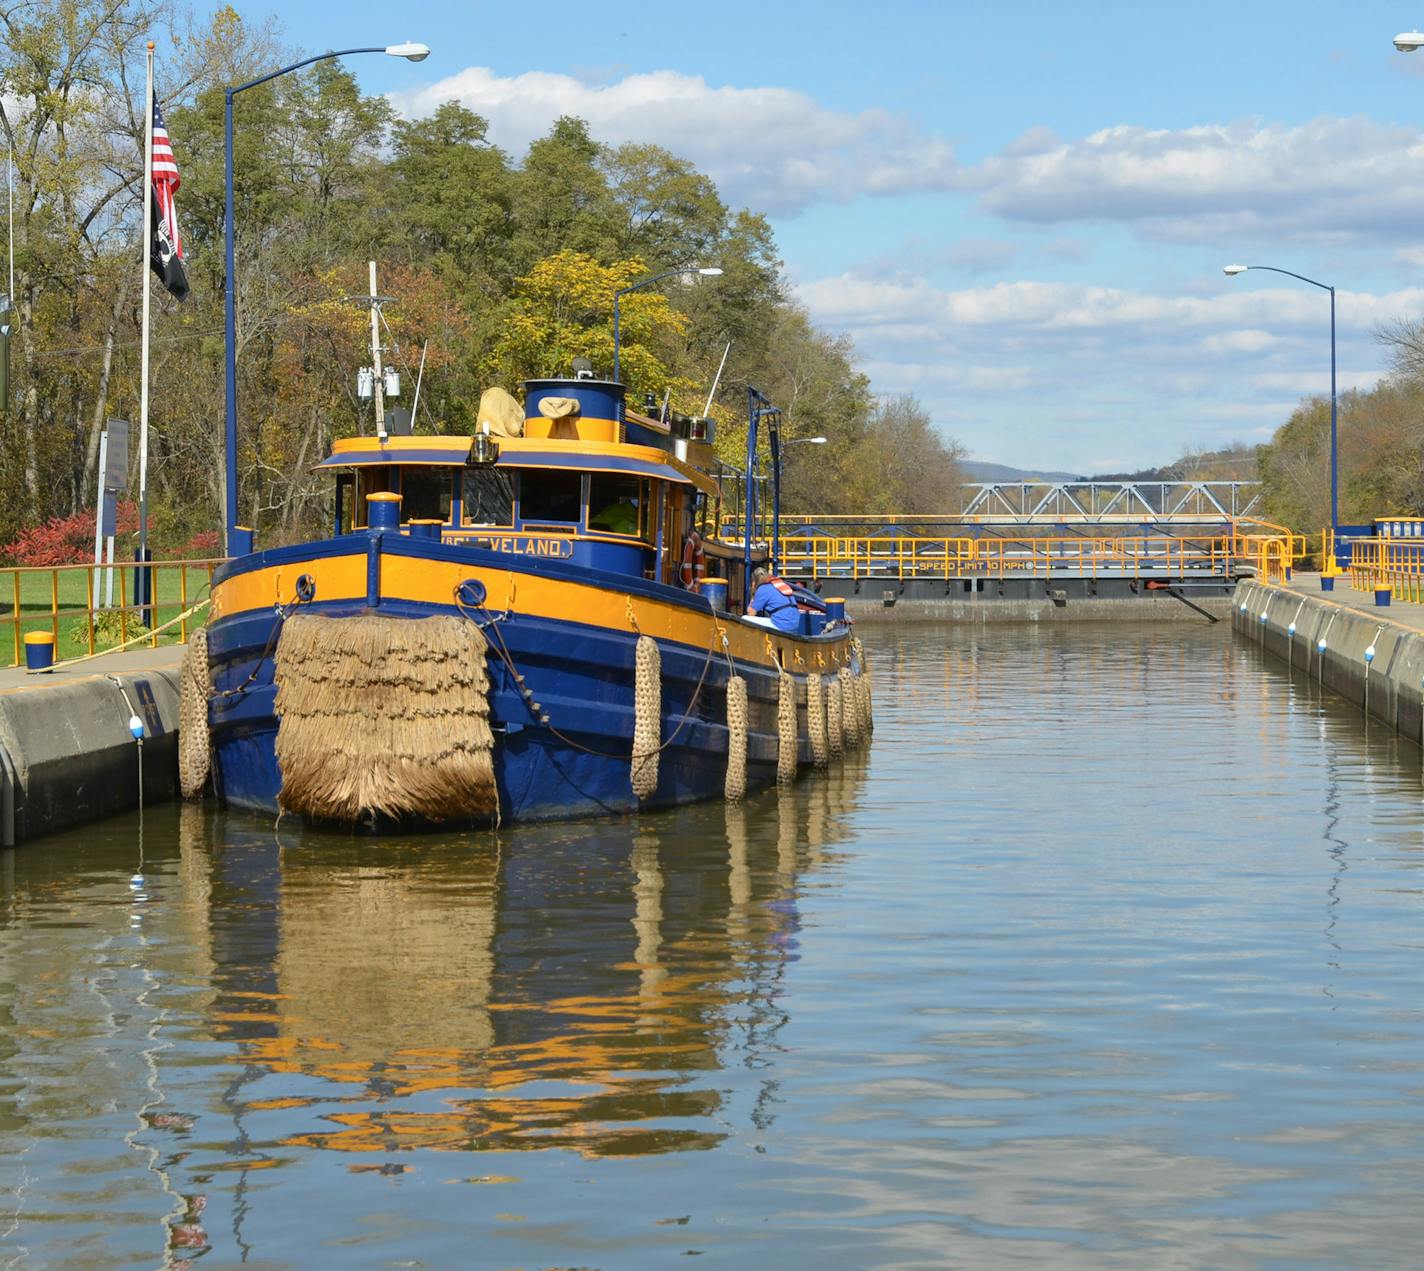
{"x": 511, "y": 447}
{"x": 542, "y": 429}
{"x": 396, "y": 446}
{"x": 336, "y": 577}
{"x": 434, "y": 582}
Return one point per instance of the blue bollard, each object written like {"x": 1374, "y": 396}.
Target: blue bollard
{"x": 714, "y": 590}
{"x": 39, "y": 650}
{"x": 383, "y": 512}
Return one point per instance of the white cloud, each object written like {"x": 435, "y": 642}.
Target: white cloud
{"x": 1057, "y": 374}
{"x": 772, "y": 148}
{"x": 1244, "y": 341}
{"x": 1331, "y": 180}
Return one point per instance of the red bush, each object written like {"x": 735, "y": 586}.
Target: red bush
{"x": 202, "y": 546}
{"x": 65, "y": 540}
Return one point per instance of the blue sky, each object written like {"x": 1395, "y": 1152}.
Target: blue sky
{"x": 1019, "y": 213}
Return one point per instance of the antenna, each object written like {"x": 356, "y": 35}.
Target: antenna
{"x": 707, "y": 410}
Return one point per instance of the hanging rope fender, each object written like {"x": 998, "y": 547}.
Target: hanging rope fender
{"x": 850, "y": 709}
{"x": 867, "y": 709}
{"x": 736, "y": 785}
{"x": 816, "y": 719}
{"x": 835, "y": 724}
{"x": 194, "y": 745}
{"x": 787, "y": 742}
{"x": 647, "y": 716}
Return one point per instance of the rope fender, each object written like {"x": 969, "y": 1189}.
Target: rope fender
{"x": 850, "y": 709}
{"x": 816, "y": 720}
{"x": 786, "y": 739}
{"x": 736, "y": 785}
{"x": 194, "y": 745}
{"x": 647, "y": 716}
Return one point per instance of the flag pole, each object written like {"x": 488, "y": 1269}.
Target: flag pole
{"x": 145, "y": 236}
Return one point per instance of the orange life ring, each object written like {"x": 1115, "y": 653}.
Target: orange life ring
{"x": 694, "y": 563}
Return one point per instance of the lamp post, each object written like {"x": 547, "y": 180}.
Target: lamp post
{"x": 413, "y": 53}
{"x": 1231, "y": 271}
{"x": 778, "y": 450}
{"x": 709, "y": 271}
{"x": 798, "y": 441}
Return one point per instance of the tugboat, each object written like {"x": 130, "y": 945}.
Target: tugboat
{"x": 519, "y": 626}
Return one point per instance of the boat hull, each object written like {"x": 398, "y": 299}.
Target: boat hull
{"x": 561, "y": 663}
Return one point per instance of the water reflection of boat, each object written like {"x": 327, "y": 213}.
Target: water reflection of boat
{"x": 500, "y": 996}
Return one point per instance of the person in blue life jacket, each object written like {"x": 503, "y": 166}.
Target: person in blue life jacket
{"x": 773, "y": 602}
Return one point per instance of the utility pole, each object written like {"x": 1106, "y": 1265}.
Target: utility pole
{"x": 379, "y": 387}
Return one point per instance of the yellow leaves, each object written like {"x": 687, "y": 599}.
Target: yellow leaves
{"x": 563, "y": 309}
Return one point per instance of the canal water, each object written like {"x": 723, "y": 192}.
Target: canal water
{"x": 1106, "y": 955}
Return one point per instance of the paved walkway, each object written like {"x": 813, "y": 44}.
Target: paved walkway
{"x": 16, "y": 679}
{"x": 1400, "y": 612}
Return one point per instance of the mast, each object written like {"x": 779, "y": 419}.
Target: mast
{"x": 145, "y": 247}
{"x": 379, "y": 388}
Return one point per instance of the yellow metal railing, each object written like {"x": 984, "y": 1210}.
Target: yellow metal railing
{"x": 39, "y": 598}
{"x": 1396, "y": 563}
{"x": 1269, "y": 550}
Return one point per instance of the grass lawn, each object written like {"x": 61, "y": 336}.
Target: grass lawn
{"x": 41, "y": 590}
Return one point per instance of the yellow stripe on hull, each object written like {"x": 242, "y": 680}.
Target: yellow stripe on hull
{"x": 343, "y": 578}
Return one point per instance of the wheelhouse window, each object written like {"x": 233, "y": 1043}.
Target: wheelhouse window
{"x": 550, "y": 496}
{"x": 345, "y": 486}
{"x": 425, "y": 493}
{"x": 618, "y": 505}
{"x": 372, "y": 480}
{"x": 488, "y": 497}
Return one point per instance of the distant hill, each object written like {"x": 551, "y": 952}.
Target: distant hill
{"x": 976, "y": 470}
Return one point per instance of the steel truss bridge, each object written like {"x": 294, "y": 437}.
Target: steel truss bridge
{"x": 1011, "y": 534}
{"x": 1109, "y": 502}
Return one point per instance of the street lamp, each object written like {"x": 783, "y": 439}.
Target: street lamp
{"x": 709, "y": 271}
{"x": 781, "y": 460}
{"x": 1409, "y": 41}
{"x": 1231, "y": 271}
{"x": 411, "y": 52}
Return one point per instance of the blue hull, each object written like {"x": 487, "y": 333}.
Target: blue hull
{"x": 581, "y": 676}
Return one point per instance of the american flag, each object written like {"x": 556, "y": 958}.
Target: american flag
{"x": 166, "y": 255}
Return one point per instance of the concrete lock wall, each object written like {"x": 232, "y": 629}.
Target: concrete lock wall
{"x": 1389, "y": 687}
{"x": 67, "y": 756}
{"x": 1156, "y": 606}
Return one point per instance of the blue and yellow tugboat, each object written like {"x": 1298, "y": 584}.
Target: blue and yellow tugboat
{"x": 520, "y": 625}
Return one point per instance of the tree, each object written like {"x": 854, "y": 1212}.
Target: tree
{"x": 563, "y": 309}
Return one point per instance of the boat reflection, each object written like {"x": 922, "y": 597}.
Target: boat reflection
{"x": 569, "y": 986}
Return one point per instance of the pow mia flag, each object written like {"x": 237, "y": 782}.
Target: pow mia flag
{"x": 165, "y": 253}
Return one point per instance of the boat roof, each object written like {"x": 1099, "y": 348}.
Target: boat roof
{"x": 519, "y": 452}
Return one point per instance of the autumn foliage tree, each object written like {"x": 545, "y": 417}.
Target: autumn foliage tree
{"x": 499, "y": 267}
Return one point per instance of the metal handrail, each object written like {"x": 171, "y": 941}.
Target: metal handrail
{"x": 38, "y": 599}
{"x": 1271, "y": 552}
{"x": 1396, "y": 563}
